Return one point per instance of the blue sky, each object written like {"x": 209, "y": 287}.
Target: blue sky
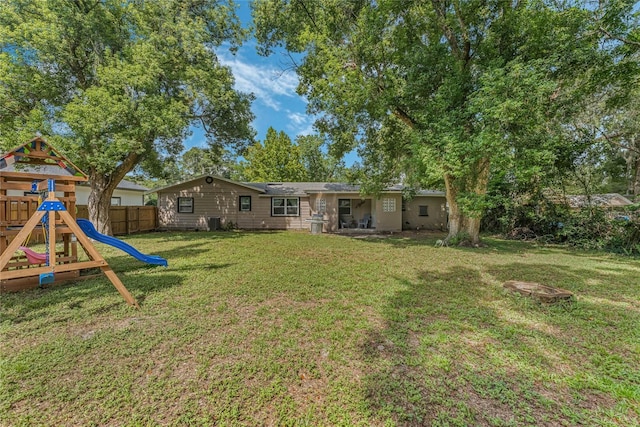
{"x": 277, "y": 104}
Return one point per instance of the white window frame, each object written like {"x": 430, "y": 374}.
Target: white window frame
{"x": 388, "y": 204}
{"x": 186, "y": 207}
{"x": 118, "y": 200}
{"x": 287, "y": 208}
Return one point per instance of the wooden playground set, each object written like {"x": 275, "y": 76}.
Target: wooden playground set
{"x": 37, "y": 194}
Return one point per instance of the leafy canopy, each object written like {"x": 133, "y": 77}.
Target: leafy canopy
{"x": 277, "y": 160}
{"x": 116, "y": 77}
{"x": 437, "y": 92}
{"x": 119, "y": 84}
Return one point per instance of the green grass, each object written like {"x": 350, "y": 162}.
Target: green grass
{"x": 296, "y": 329}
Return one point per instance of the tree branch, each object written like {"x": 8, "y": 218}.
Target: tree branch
{"x": 619, "y": 38}
{"x": 610, "y": 140}
{"x": 404, "y": 117}
{"x": 465, "y": 34}
{"x": 304, "y": 6}
{"x": 448, "y": 33}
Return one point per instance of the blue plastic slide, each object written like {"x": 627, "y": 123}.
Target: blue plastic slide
{"x": 92, "y": 233}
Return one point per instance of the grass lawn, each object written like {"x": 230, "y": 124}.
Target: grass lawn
{"x": 290, "y": 328}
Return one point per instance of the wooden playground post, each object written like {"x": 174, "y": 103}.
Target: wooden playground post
{"x": 13, "y": 271}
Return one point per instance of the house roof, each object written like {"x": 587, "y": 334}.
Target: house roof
{"x": 428, "y": 193}
{"x": 304, "y": 188}
{"x": 126, "y": 185}
{"x": 298, "y": 188}
{"x": 38, "y": 157}
{"x": 609, "y": 200}
{"x": 199, "y": 177}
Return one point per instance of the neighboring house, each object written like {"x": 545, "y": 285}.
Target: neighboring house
{"x": 126, "y": 194}
{"x": 288, "y": 205}
{"x": 607, "y": 201}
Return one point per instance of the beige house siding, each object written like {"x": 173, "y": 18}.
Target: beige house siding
{"x": 359, "y": 207}
{"x": 388, "y": 220}
{"x": 436, "y": 210}
{"x": 221, "y": 199}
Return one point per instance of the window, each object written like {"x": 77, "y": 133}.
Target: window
{"x": 245, "y": 203}
{"x": 321, "y": 205}
{"x": 185, "y": 204}
{"x": 116, "y": 201}
{"x": 344, "y": 206}
{"x": 285, "y": 206}
{"x": 388, "y": 205}
{"x": 424, "y": 211}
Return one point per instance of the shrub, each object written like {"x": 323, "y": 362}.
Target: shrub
{"x": 587, "y": 229}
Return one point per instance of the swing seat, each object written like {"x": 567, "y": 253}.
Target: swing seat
{"x": 46, "y": 278}
{"x": 32, "y": 256}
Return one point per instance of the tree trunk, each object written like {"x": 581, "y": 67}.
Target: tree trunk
{"x": 100, "y": 201}
{"x": 455, "y": 215}
{"x": 480, "y": 185}
{"x": 472, "y": 228}
{"x": 102, "y": 187}
{"x": 461, "y": 224}
{"x": 636, "y": 178}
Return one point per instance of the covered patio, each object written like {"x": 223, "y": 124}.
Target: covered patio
{"x": 355, "y": 214}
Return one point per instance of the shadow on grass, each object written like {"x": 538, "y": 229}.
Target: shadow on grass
{"x": 433, "y": 238}
{"x": 123, "y": 262}
{"x": 183, "y": 235}
{"x": 27, "y": 305}
{"x": 457, "y": 350}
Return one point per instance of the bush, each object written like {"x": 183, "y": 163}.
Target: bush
{"x": 587, "y": 229}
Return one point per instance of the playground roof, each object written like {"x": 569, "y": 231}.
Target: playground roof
{"x": 37, "y": 157}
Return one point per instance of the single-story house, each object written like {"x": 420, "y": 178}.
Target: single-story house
{"x": 203, "y": 202}
{"x": 606, "y": 201}
{"x": 126, "y": 194}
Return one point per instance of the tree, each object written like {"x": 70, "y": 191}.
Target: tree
{"x": 319, "y": 165}
{"x": 199, "y": 161}
{"x": 277, "y": 160}
{"x": 436, "y": 92}
{"x": 119, "y": 84}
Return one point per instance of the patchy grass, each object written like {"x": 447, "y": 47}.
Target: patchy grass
{"x": 299, "y": 329}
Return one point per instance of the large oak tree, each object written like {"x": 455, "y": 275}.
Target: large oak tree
{"x": 119, "y": 83}
{"x": 441, "y": 91}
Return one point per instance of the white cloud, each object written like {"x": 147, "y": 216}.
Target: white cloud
{"x": 300, "y": 124}
{"x": 309, "y": 130}
{"x": 298, "y": 118}
{"x": 266, "y": 83}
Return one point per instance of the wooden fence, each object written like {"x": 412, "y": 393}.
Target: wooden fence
{"x": 128, "y": 219}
